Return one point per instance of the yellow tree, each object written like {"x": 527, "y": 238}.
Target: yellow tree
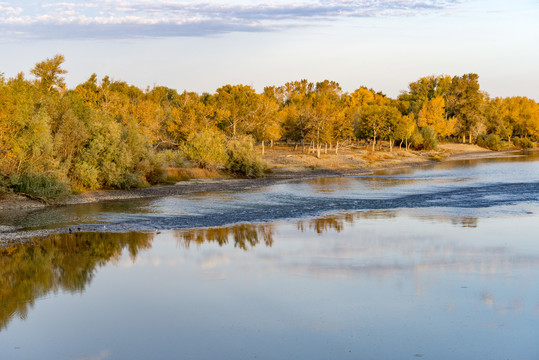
{"x": 404, "y": 129}
{"x": 188, "y": 116}
{"x": 297, "y": 110}
{"x": 433, "y": 114}
{"x": 237, "y": 105}
{"x": 267, "y": 120}
{"x": 522, "y": 115}
{"x": 325, "y": 113}
{"x": 49, "y": 73}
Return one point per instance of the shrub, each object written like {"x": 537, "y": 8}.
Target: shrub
{"x": 86, "y": 175}
{"x": 172, "y": 158}
{"x": 416, "y": 140}
{"x": 43, "y": 186}
{"x": 242, "y": 159}
{"x": 131, "y": 180}
{"x": 430, "y": 142}
{"x": 206, "y": 149}
{"x": 523, "y": 143}
{"x": 4, "y": 186}
{"x": 492, "y": 142}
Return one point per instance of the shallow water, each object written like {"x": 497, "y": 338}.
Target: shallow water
{"x": 439, "y": 262}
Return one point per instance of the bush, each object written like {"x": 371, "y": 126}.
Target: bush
{"x": 243, "y": 160}
{"x": 523, "y": 143}
{"x": 4, "y": 186}
{"x": 416, "y": 140}
{"x": 492, "y": 142}
{"x": 86, "y": 175}
{"x": 131, "y": 180}
{"x": 45, "y": 187}
{"x": 430, "y": 142}
{"x": 206, "y": 149}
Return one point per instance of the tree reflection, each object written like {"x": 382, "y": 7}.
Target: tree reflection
{"x": 244, "y": 236}
{"x": 336, "y": 222}
{"x": 65, "y": 262}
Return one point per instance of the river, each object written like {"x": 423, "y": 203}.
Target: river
{"x": 437, "y": 262}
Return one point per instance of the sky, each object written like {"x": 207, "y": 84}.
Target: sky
{"x": 202, "y": 45}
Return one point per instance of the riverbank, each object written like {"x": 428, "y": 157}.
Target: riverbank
{"x": 285, "y": 165}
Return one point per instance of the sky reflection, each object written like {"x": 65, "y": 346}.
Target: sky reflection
{"x": 337, "y": 285}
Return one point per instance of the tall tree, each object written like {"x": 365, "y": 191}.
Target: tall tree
{"x": 267, "y": 120}
{"x": 433, "y": 114}
{"x": 464, "y": 102}
{"x": 378, "y": 122}
{"x": 49, "y": 73}
{"x": 237, "y": 105}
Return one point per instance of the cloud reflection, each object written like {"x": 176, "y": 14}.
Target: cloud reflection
{"x": 382, "y": 250}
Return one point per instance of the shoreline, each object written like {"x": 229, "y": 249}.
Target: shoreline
{"x": 281, "y": 173}
{"x": 10, "y": 235}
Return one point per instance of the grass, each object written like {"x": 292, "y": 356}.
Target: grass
{"x": 41, "y": 187}
{"x": 173, "y": 175}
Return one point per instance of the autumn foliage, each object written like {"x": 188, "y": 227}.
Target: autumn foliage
{"x": 109, "y": 134}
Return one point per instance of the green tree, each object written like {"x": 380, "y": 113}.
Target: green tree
{"x": 465, "y": 104}
{"x": 378, "y": 122}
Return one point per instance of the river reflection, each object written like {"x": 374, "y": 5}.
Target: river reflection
{"x": 64, "y": 262}
{"x": 244, "y": 236}
{"x": 333, "y": 277}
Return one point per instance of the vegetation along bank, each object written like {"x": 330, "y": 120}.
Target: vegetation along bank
{"x": 107, "y": 134}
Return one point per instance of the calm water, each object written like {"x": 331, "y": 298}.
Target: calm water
{"x": 434, "y": 263}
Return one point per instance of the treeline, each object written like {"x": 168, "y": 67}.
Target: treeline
{"x": 109, "y": 134}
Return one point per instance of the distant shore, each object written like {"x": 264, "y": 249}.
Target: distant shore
{"x": 285, "y": 166}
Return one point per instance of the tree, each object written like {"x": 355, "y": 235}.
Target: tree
{"x": 464, "y": 102}
{"x": 433, "y": 114}
{"x": 423, "y": 90}
{"x": 267, "y": 120}
{"x": 325, "y": 113}
{"x": 521, "y": 115}
{"x": 378, "y": 122}
{"x": 405, "y": 129}
{"x": 237, "y": 105}
{"x": 297, "y": 110}
{"x": 49, "y": 73}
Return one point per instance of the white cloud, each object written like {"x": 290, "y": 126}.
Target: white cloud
{"x": 163, "y": 18}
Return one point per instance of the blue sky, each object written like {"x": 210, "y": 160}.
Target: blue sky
{"x": 201, "y": 45}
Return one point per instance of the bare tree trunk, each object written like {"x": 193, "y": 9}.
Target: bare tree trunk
{"x": 326, "y": 150}
{"x": 263, "y": 147}
{"x": 337, "y": 148}
{"x": 302, "y": 146}
{"x": 374, "y": 142}
{"x": 318, "y": 149}
{"x": 390, "y": 145}
{"x": 271, "y": 144}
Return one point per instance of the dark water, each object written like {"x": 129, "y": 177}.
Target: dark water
{"x": 435, "y": 263}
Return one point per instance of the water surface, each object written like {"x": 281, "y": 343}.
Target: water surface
{"x": 438, "y": 263}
